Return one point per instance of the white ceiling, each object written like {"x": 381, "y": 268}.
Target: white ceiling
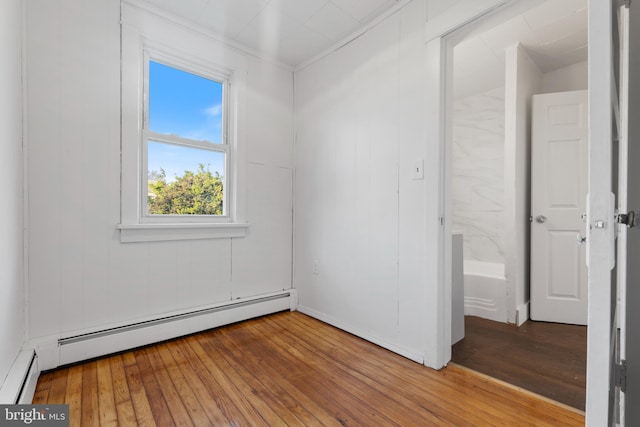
{"x": 294, "y": 31}
{"x": 290, "y": 31}
{"x": 554, "y": 34}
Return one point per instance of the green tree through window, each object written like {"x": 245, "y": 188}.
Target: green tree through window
{"x": 186, "y": 146}
{"x": 193, "y": 193}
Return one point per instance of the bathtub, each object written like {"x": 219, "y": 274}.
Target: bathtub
{"x": 485, "y": 290}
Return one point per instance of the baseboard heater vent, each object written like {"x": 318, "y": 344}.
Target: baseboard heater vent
{"x": 26, "y": 393}
{"x": 20, "y": 383}
{"x": 98, "y": 343}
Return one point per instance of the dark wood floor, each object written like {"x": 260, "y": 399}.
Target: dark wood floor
{"x": 546, "y": 358}
{"x": 285, "y": 369}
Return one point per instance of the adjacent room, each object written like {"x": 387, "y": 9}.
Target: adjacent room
{"x": 269, "y": 212}
{"x": 501, "y": 195}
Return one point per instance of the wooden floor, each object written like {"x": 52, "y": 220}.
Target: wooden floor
{"x": 546, "y": 358}
{"x": 285, "y": 369}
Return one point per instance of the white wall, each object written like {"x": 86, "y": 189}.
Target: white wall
{"x": 12, "y": 318}
{"x": 523, "y": 80}
{"x": 80, "y": 275}
{"x": 358, "y": 213}
{"x": 573, "y": 77}
{"x": 477, "y": 175}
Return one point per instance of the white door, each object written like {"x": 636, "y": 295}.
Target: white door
{"x": 627, "y": 352}
{"x": 613, "y": 66}
{"x": 558, "y": 202}
{"x": 620, "y": 45}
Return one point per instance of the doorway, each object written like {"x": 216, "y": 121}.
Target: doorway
{"x": 498, "y": 65}
{"x": 548, "y": 359}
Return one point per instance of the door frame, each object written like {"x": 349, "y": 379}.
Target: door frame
{"x": 441, "y": 35}
{"x": 599, "y": 241}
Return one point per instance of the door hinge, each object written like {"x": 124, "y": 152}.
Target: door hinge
{"x": 629, "y": 219}
{"x": 620, "y": 375}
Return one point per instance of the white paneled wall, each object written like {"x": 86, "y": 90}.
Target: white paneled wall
{"x": 367, "y": 236}
{"x": 477, "y": 182}
{"x": 523, "y": 80}
{"x": 573, "y": 77}
{"x": 359, "y": 216}
{"x": 80, "y": 275}
{"x": 12, "y": 321}
{"x": 262, "y": 260}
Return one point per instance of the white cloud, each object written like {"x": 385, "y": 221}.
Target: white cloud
{"x": 214, "y": 110}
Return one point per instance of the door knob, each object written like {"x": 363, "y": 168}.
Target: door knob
{"x": 540, "y": 219}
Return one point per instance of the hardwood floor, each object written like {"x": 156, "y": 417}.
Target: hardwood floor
{"x": 546, "y": 358}
{"x": 285, "y": 369}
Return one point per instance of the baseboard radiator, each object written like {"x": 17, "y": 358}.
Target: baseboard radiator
{"x": 20, "y": 384}
{"x": 103, "y": 342}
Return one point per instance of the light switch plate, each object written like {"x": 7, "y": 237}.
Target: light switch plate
{"x": 418, "y": 169}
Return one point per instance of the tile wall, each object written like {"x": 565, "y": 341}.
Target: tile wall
{"x": 478, "y": 174}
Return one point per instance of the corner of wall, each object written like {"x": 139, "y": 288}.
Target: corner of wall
{"x": 12, "y": 320}
{"x": 524, "y": 79}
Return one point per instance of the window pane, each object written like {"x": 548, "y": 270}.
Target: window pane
{"x": 184, "y": 180}
{"x": 184, "y": 104}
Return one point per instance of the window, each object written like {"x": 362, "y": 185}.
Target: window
{"x": 185, "y": 148}
{"x": 183, "y": 145}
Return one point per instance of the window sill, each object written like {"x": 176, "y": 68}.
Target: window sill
{"x": 131, "y": 233}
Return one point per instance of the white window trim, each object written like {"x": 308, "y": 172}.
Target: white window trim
{"x": 224, "y": 77}
{"x": 131, "y": 233}
{"x": 177, "y": 46}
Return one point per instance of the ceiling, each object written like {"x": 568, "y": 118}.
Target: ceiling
{"x": 290, "y": 31}
{"x": 295, "y": 31}
{"x": 553, "y": 33}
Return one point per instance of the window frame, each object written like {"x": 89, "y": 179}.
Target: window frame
{"x": 143, "y": 31}
{"x": 210, "y": 73}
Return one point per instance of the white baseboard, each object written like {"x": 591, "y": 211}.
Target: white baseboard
{"x": 20, "y": 384}
{"x": 409, "y": 354}
{"x": 55, "y": 351}
{"x": 486, "y": 308}
{"x": 522, "y": 313}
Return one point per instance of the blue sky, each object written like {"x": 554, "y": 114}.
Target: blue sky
{"x": 189, "y": 106}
